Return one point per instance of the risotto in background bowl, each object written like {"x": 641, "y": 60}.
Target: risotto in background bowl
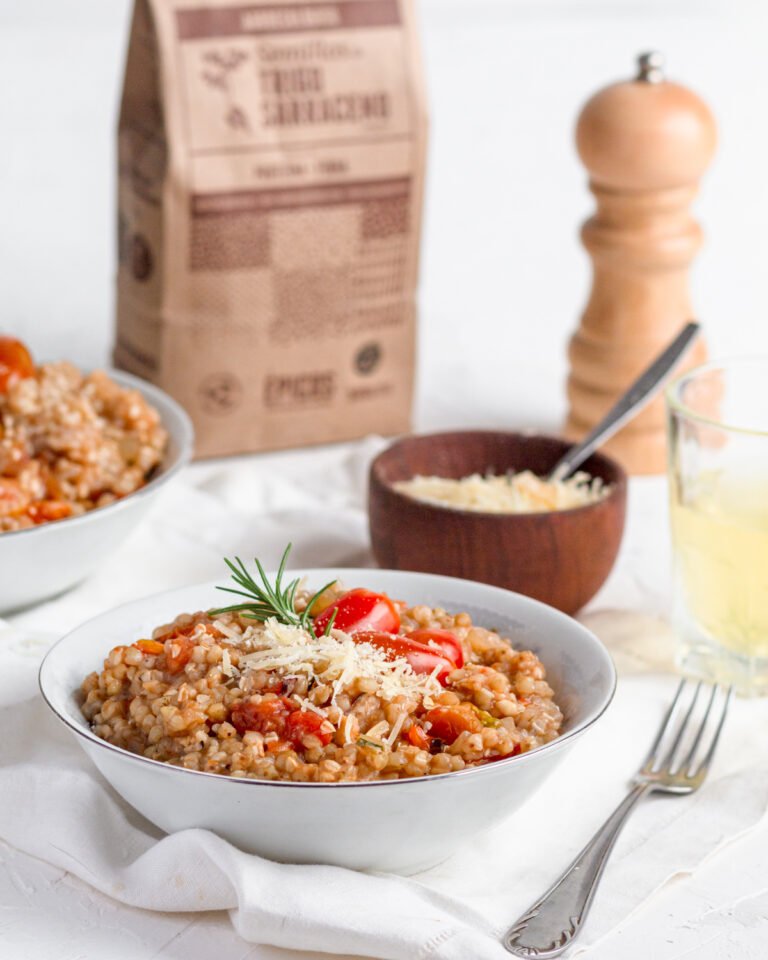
{"x": 206, "y": 720}
{"x": 89, "y": 466}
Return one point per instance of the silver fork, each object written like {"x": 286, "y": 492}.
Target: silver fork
{"x": 677, "y": 764}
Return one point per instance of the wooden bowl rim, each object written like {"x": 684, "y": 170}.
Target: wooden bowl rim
{"x": 617, "y": 488}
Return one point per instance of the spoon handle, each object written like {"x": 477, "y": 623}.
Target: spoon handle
{"x": 641, "y": 391}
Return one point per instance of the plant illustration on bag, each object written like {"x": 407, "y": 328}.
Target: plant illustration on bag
{"x": 221, "y": 67}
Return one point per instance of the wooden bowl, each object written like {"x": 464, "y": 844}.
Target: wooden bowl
{"x": 561, "y": 557}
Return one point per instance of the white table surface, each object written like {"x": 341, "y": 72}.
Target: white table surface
{"x": 503, "y": 282}
{"x": 717, "y": 912}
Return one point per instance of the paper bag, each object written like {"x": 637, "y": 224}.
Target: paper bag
{"x": 271, "y": 172}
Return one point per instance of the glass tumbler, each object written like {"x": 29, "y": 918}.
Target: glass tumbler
{"x": 718, "y": 485}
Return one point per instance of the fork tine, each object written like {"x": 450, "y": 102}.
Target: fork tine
{"x": 704, "y": 765}
{"x": 669, "y": 758}
{"x": 665, "y": 725}
{"x": 688, "y": 762}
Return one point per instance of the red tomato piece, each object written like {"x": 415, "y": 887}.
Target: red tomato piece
{"x": 446, "y": 723}
{"x": 279, "y": 716}
{"x": 304, "y": 722}
{"x": 43, "y": 511}
{"x": 422, "y": 659}
{"x": 447, "y": 641}
{"x": 15, "y": 362}
{"x": 178, "y": 654}
{"x": 266, "y": 716}
{"x": 178, "y": 650}
{"x": 417, "y": 736}
{"x": 153, "y": 648}
{"x": 360, "y": 609}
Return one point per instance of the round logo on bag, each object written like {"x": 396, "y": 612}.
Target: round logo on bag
{"x": 368, "y": 358}
{"x": 220, "y": 393}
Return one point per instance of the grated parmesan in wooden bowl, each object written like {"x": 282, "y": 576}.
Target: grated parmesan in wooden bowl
{"x": 513, "y": 492}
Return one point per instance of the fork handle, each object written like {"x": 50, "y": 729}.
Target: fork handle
{"x": 547, "y": 928}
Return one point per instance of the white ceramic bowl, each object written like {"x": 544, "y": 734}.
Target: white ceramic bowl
{"x": 40, "y": 562}
{"x": 390, "y": 825}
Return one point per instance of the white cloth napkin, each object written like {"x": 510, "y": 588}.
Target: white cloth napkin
{"x": 55, "y": 806}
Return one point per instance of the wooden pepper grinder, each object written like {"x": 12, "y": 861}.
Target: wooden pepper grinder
{"x": 645, "y": 143}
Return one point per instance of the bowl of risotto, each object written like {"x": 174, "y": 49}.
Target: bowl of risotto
{"x": 371, "y": 719}
{"x": 82, "y": 456}
{"x": 478, "y": 504}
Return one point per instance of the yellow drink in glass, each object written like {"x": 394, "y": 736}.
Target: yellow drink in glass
{"x": 718, "y": 430}
{"x": 721, "y": 542}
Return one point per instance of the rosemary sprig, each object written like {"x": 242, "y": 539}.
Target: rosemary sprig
{"x": 265, "y": 600}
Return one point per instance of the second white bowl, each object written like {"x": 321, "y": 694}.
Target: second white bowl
{"x": 40, "y": 562}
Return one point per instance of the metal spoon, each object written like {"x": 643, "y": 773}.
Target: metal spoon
{"x": 636, "y": 397}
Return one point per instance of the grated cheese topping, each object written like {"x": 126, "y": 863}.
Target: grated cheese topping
{"x": 345, "y": 725}
{"x": 336, "y": 660}
{"x": 522, "y": 492}
{"x": 227, "y": 667}
{"x": 377, "y": 731}
{"x": 227, "y": 629}
{"x": 394, "y": 733}
{"x": 307, "y": 704}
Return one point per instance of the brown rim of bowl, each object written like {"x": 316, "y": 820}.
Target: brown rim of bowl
{"x": 617, "y": 485}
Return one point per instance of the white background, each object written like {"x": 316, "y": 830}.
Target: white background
{"x": 504, "y": 277}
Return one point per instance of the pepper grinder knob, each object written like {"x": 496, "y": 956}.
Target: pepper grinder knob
{"x": 650, "y": 67}
{"x": 646, "y": 143}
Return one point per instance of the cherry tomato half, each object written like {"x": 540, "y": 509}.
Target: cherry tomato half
{"x": 446, "y": 723}
{"x": 15, "y": 362}
{"x": 360, "y": 609}
{"x": 448, "y": 642}
{"x": 422, "y": 659}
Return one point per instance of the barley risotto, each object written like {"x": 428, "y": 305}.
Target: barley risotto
{"x": 339, "y": 686}
{"x": 69, "y": 441}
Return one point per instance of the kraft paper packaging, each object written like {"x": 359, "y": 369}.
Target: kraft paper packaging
{"x": 271, "y": 172}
